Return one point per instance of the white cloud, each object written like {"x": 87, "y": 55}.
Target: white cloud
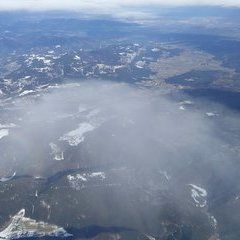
{"x": 102, "y": 5}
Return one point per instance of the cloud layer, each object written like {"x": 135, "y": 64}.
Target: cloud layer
{"x": 103, "y": 5}
{"x": 99, "y": 123}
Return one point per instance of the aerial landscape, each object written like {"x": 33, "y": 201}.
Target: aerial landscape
{"x": 120, "y": 120}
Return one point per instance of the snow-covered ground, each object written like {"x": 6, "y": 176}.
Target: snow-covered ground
{"x": 155, "y": 50}
{"x": 166, "y": 175}
{"x": 186, "y": 102}
{"x": 5, "y": 179}
{"x": 150, "y": 237}
{"x": 23, "y": 227}
{"x": 77, "y": 136}
{"x": 4, "y": 133}
{"x": 56, "y": 152}
{"x": 10, "y": 125}
{"x": 77, "y": 181}
{"x": 182, "y": 108}
{"x": 140, "y": 64}
{"x": 214, "y": 222}
{"x": 211, "y": 114}
{"x": 199, "y": 195}
{"x": 26, "y": 92}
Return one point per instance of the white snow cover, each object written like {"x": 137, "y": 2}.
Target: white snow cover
{"x": 5, "y": 179}
{"x": 81, "y": 109}
{"x": 56, "y": 152}
{"x": 182, "y": 108}
{"x": 214, "y": 222}
{"x": 186, "y": 102}
{"x": 165, "y": 174}
{"x": 150, "y": 237}
{"x": 93, "y": 113}
{"x": 77, "y": 57}
{"x": 4, "y": 133}
{"x": 22, "y": 227}
{"x": 140, "y": 64}
{"x": 85, "y": 176}
{"x": 26, "y": 92}
{"x": 155, "y": 50}
{"x": 199, "y": 195}
{"x": 10, "y": 125}
{"x": 75, "y": 137}
{"x": 97, "y": 174}
{"x": 77, "y": 177}
{"x": 211, "y": 114}
{"x": 77, "y": 181}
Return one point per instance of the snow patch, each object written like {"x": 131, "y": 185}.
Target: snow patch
{"x": 4, "y": 133}
{"x": 150, "y": 237}
{"x": 182, "y": 108}
{"x": 6, "y": 179}
{"x": 97, "y": 174}
{"x": 77, "y": 57}
{"x": 10, "y": 125}
{"x": 22, "y": 227}
{"x": 77, "y": 136}
{"x": 199, "y": 195}
{"x": 77, "y": 181}
{"x": 166, "y": 175}
{"x": 155, "y": 50}
{"x": 56, "y": 152}
{"x": 186, "y": 102}
{"x": 214, "y": 222}
{"x": 140, "y": 64}
{"x": 81, "y": 109}
{"x": 26, "y": 92}
{"x": 211, "y": 114}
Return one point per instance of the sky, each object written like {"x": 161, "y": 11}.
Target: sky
{"x": 103, "y": 5}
